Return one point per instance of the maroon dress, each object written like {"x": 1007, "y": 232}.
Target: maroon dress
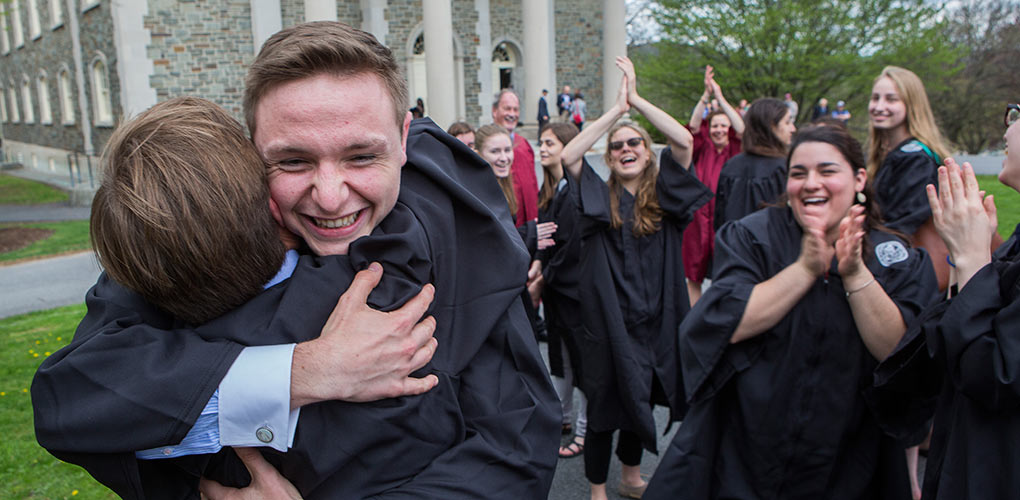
{"x": 699, "y": 237}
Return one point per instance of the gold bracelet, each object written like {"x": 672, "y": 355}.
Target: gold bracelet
{"x": 861, "y": 288}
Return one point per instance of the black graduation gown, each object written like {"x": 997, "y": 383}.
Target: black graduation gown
{"x": 633, "y": 296}
{"x": 782, "y": 415}
{"x": 489, "y": 429}
{"x": 964, "y": 356}
{"x": 746, "y": 183}
{"x": 560, "y": 270}
{"x": 899, "y": 186}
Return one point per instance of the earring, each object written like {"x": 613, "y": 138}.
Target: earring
{"x": 788, "y": 203}
{"x": 861, "y": 198}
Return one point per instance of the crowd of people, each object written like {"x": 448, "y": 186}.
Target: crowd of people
{"x": 368, "y": 328}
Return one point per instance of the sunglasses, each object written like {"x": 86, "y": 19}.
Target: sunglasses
{"x": 632, "y": 142}
{"x": 1012, "y": 114}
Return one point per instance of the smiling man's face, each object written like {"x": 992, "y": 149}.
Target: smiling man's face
{"x": 506, "y": 112}
{"x": 334, "y": 155}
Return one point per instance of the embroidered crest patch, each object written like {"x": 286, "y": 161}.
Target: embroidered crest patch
{"x": 912, "y": 147}
{"x": 890, "y": 252}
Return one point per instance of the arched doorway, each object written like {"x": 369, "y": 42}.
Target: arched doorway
{"x": 505, "y": 63}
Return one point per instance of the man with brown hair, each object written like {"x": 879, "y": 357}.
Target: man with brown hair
{"x": 486, "y": 430}
{"x": 184, "y": 175}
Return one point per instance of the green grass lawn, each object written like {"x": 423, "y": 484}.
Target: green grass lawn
{"x": 28, "y": 470}
{"x": 68, "y": 236}
{"x": 17, "y": 191}
{"x": 1007, "y": 203}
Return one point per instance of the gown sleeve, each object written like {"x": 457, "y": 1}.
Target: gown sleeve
{"x": 123, "y": 370}
{"x": 592, "y": 200}
{"x": 707, "y": 358}
{"x": 978, "y": 336}
{"x": 901, "y": 191}
{"x": 679, "y": 191}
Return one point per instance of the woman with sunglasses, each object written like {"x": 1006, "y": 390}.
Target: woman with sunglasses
{"x": 777, "y": 355}
{"x": 964, "y": 353}
{"x": 757, "y": 176}
{"x": 631, "y": 287}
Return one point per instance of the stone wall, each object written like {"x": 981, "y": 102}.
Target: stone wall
{"x": 465, "y": 18}
{"x": 292, "y": 12}
{"x": 579, "y": 50}
{"x": 48, "y": 53}
{"x": 201, "y": 49}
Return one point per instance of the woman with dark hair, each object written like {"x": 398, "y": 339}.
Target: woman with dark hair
{"x": 714, "y": 144}
{"x": 631, "y": 283}
{"x": 555, "y": 281}
{"x": 757, "y": 176}
{"x": 463, "y": 132}
{"x": 964, "y": 353}
{"x": 777, "y": 355}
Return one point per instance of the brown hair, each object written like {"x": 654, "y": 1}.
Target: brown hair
{"x": 482, "y": 135}
{"x": 920, "y": 120}
{"x": 839, "y": 138}
{"x": 647, "y": 214}
{"x": 564, "y": 133}
{"x": 321, "y": 47}
{"x": 759, "y": 138}
{"x": 182, "y": 214}
{"x": 458, "y": 128}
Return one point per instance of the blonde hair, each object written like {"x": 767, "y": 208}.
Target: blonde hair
{"x": 482, "y": 135}
{"x": 919, "y": 120}
{"x": 647, "y": 213}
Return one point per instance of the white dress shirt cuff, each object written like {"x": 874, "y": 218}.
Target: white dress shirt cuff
{"x": 254, "y": 399}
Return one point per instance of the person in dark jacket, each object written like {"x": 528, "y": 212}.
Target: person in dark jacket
{"x": 631, "y": 288}
{"x": 757, "y": 176}
{"x": 348, "y": 193}
{"x": 963, "y": 354}
{"x": 810, "y": 294}
{"x": 543, "y": 110}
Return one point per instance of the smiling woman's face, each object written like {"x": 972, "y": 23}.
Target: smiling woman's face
{"x": 498, "y": 151}
{"x": 821, "y": 185}
{"x": 631, "y": 159}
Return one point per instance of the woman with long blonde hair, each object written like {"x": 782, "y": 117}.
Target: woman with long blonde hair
{"x": 631, "y": 286}
{"x": 905, "y": 149}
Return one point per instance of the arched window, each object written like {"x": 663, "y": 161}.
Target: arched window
{"x": 56, "y": 13}
{"x": 12, "y": 98}
{"x": 43, "y": 89}
{"x": 16, "y": 30}
{"x": 5, "y": 44}
{"x": 103, "y": 109}
{"x": 26, "y": 100}
{"x": 34, "y": 30}
{"x": 66, "y": 97}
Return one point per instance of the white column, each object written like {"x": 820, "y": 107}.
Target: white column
{"x": 266, "y": 19}
{"x": 484, "y": 54}
{"x": 537, "y": 75}
{"x": 614, "y": 43}
{"x": 320, "y": 10}
{"x": 373, "y": 19}
{"x": 438, "y": 17}
{"x": 134, "y": 67}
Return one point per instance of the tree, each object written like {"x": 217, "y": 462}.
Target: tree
{"x": 809, "y": 48}
{"x": 970, "y": 108}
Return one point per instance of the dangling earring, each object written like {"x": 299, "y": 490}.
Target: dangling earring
{"x": 861, "y": 198}
{"x": 788, "y": 203}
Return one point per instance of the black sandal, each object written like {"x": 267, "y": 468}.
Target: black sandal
{"x": 574, "y": 449}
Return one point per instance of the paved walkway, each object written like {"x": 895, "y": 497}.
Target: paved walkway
{"x": 46, "y": 283}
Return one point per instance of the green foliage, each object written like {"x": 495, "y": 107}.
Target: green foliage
{"x": 18, "y": 191}
{"x": 68, "y": 236}
{"x": 810, "y": 48}
{"x": 1007, "y": 203}
{"x": 28, "y": 470}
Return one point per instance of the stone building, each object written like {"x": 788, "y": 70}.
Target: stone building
{"x": 70, "y": 70}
